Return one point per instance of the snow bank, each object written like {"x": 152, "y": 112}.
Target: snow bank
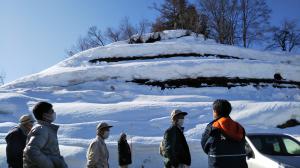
{"x": 160, "y": 70}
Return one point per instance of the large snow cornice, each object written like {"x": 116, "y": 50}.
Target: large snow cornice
{"x": 251, "y": 63}
{"x": 179, "y": 47}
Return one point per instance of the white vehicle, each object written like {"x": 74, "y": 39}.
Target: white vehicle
{"x": 272, "y": 151}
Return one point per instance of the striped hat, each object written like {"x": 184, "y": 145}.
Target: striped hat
{"x": 24, "y": 119}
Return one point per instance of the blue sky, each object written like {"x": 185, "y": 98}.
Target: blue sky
{"x": 34, "y": 34}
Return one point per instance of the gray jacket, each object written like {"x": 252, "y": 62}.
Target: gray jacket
{"x": 97, "y": 154}
{"x": 42, "y": 150}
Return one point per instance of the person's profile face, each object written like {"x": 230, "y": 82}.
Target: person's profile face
{"x": 51, "y": 111}
{"x": 180, "y": 116}
{"x": 215, "y": 114}
{"x": 29, "y": 125}
{"x": 104, "y": 130}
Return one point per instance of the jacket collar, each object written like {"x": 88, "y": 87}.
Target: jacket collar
{"x": 100, "y": 138}
{"x": 230, "y": 128}
{"x": 53, "y": 126}
{"x": 219, "y": 118}
{"x": 180, "y": 128}
{"x": 23, "y": 129}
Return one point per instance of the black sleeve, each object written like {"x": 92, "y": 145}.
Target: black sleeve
{"x": 122, "y": 152}
{"x": 170, "y": 145}
{"x": 206, "y": 139}
{"x": 14, "y": 149}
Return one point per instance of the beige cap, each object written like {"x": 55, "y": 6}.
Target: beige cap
{"x": 103, "y": 125}
{"x": 177, "y": 112}
{"x": 24, "y": 119}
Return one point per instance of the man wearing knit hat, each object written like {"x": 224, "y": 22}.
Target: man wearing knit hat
{"x": 16, "y": 141}
{"x": 174, "y": 147}
{"x": 97, "y": 154}
{"x": 42, "y": 148}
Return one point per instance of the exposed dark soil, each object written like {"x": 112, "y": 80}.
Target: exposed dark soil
{"x": 117, "y": 59}
{"x": 217, "y": 82}
{"x": 289, "y": 123}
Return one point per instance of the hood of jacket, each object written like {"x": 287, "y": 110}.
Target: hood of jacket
{"x": 229, "y": 128}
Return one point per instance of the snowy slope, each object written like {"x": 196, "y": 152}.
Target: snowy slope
{"x": 78, "y": 69}
{"x": 86, "y": 93}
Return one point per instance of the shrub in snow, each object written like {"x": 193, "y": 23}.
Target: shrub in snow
{"x": 277, "y": 76}
{"x": 158, "y": 36}
{"x": 153, "y": 38}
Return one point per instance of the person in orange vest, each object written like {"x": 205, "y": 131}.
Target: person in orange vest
{"x": 224, "y": 139}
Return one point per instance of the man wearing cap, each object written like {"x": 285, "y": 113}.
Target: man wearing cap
{"x": 97, "y": 154}
{"x": 174, "y": 147}
{"x": 16, "y": 141}
{"x": 42, "y": 150}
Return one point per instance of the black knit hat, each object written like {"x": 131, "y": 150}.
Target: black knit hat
{"x": 40, "y": 108}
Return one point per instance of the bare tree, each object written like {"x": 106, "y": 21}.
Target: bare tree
{"x": 172, "y": 15}
{"x": 158, "y": 25}
{"x": 223, "y": 19}
{"x": 143, "y": 27}
{"x": 92, "y": 39}
{"x": 202, "y": 26}
{"x": 127, "y": 29}
{"x": 233, "y": 14}
{"x": 196, "y": 22}
{"x": 95, "y": 36}
{"x": 179, "y": 14}
{"x": 113, "y": 35}
{"x": 286, "y": 37}
{"x": 255, "y": 20}
{"x": 82, "y": 44}
{"x": 2, "y": 77}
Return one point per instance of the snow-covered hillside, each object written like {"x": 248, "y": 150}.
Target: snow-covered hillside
{"x": 100, "y": 85}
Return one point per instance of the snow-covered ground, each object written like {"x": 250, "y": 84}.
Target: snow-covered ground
{"x": 84, "y": 94}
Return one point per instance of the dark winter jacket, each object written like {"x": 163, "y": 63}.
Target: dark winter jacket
{"x": 124, "y": 153}
{"x": 224, "y": 142}
{"x": 176, "y": 149}
{"x": 16, "y": 141}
